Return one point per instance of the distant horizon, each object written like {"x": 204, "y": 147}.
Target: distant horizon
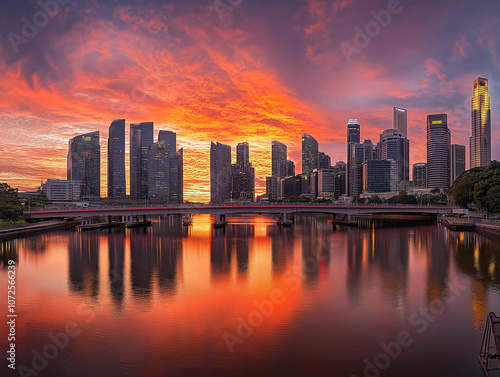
{"x": 206, "y": 198}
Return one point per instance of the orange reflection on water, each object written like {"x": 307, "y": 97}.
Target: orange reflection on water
{"x": 164, "y": 296}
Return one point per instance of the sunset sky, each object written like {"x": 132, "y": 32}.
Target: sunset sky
{"x": 252, "y": 71}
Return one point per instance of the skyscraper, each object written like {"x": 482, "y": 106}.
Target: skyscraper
{"x": 243, "y": 175}
{"x": 480, "y": 141}
{"x": 340, "y": 178}
{"x": 141, "y": 137}
{"x": 324, "y": 161}
{"x": 242, "y": 154}
{"x": 272, "y": 188}
{"x": 380, "y": 176}
{"x": 179, "y": 156}
{"x": 278, "y": 154}
{"x": 309, "y": 154}
{"x": 170, "y": 139}
{"x": 286, "y": 169}
{"x": 116, "y": 160}
{"x": 438, "y": 151}
{"x": 457, "y": 161}
{"x": 176, "y": 166}
{"x": 243, "y": 183}
{"x": 158, "y": 172}
{"x": 420, "y": 175}
{"x": 326, "y": 183}
{"x": 220, "y": 173}
{"x": 395, "y": 146}
{"x": 360, "y": 153}
{"x": 400, "y": 120}
{"x": 353, "y": 132}
{"x": 353, "y": 136}
{"x": 84, "y": 164}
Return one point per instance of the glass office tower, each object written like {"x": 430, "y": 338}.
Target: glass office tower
{"x": 480, "y": 141}
{"x": 84, "y": 164}
{"x": 116, "y": 160}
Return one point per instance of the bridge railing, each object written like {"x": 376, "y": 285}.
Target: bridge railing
{"x": 72, "y": 207}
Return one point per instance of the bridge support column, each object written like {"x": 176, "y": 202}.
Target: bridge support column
{"x": 284, "y": 221}
{"x": 144, "y": 218}
{"x": 220, "y": 219}
{"x": 110, "y": 219}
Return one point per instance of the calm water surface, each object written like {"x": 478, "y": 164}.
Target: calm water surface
{"x": 254, "y": 299}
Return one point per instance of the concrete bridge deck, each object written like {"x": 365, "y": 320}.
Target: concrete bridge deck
{"x": 222, "y": 210}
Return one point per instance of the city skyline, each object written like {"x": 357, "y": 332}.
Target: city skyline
{"x": 215, "y": 87}
{"x": 241, "y": 154}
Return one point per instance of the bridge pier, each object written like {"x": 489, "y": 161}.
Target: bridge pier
{"x": 220, "y": 220}
{"x": 283, "y": 220}
{"x": 126, "y": 218}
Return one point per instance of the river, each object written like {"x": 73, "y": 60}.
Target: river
{"x": 252, "y": 299}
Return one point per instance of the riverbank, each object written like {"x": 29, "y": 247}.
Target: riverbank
{"x": 15, "y": 231}
{"x": 485, "y": 227}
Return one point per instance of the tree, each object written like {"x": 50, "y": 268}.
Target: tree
{"x": 322, "y": 200}
{"x": 488, "y": 179}
{"x": 11, "y": 208}
{"x": 462, "y": 191}
{"x": 478, "y": 186}
{"x": 375, "y": 200}
{"x": 403, "y": 198}
{"x": 39, "y": 200}
{"x": 493, "y": 199}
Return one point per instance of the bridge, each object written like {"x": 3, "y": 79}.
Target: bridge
{"x": 221, "y": 211}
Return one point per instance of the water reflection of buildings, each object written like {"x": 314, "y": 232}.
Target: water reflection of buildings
{"x": 154, "y": 254}
{"x": 382, "y": 254}
{"x": 316, "y": 247}
{"x": 84, "y": 263}
{"x": 478, "y": 258}
{"x": 438, "y": 261}
{"x": 142, "y": 262}
{"x": 242, "y": 236}
{"x": 167, "y": 247}
{"x": 36, "y": 244}
{"x": 116, "y": 252}
{"x": 8, "y": 251}
{"x": 168, "y": 251}
{"x": 220, "y": 253}
{"x": 281, "y": 248}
